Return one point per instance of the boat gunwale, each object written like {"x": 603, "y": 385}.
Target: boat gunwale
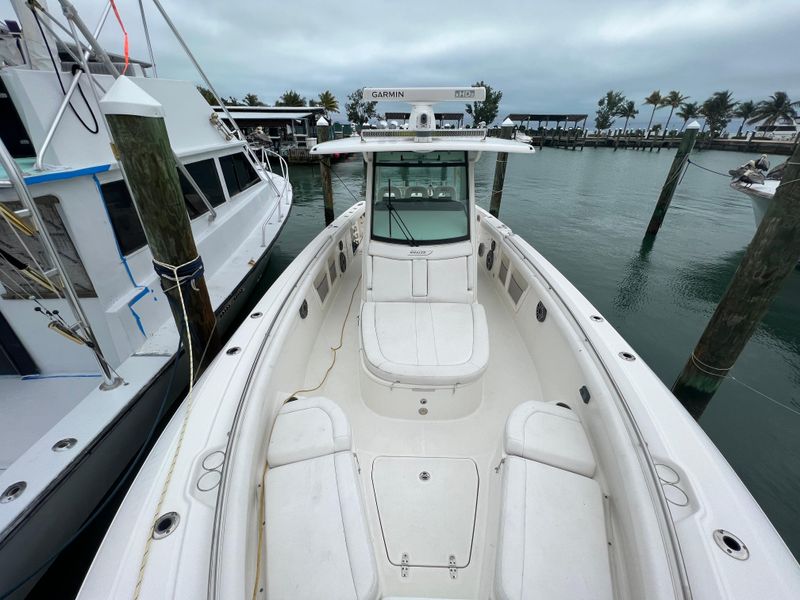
{"x": 656, "y": 491}
{"x": 218, "y": 523}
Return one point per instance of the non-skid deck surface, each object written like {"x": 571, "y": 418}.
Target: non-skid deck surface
{"x": 30, "y": 407}
{"x": 510, "y": 379}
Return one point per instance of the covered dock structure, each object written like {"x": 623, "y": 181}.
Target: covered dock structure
{"x": 559, "y": 135}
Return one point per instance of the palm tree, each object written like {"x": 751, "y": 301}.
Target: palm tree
{"x": 251, "y": 99}
{"x": 329, "y": 102}
{"x": 744, "y": 111}
{"x": 290, "y": 98}
{"x": 655, "y": 99}
{"x": 717, "y": 110}
{"x": 778, "y": 107}
{"x": 689, "y": 110}
{"x": 674, "y": 99}
{"x": 629, "y": 111}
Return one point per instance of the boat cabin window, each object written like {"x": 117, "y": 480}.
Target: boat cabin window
{"x": 420, "y": 198}
{"x": 124, "y": 218}
{"x": 238, "y": 172}
{"x": 204, "y": 173}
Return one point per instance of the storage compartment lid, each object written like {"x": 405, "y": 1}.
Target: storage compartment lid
{"x": 427, "y": 509}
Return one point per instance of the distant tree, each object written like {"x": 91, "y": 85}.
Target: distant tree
{"x": 745, "y": 110}
{"x": 629, "y": 111}
{"x": 487, "y": 110}
{"x": 329, "y": 102}
{"x": 654, "y": 99}
{"x": 718, "y": 111}
{"x": 777, "y": 107}
{"x": 207, "y": 94}
{"x": 689, "y": 110}
{"x": 290, "y": 98}
{"x": 609, "y": 107}
{"x": 232, "y": 101}
{"x": 674, "y": 99}
{"x": 251, "y": 99}
{"x": 358, "y": 111}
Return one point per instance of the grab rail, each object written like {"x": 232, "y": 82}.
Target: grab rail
{"x": 265, "y": 152}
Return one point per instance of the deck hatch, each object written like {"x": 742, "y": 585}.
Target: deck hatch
{"x": 426, "y": 507}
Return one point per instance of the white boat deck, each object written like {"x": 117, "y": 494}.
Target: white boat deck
{"x": 31, "y": 405}
{"x": 478, "y": 437}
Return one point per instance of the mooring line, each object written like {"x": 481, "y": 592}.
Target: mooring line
{"x": 699, "y": 365}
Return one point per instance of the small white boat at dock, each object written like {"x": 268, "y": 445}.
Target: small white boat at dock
{"x": 423, "y": 407}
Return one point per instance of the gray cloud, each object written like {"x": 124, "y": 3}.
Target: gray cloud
{"x": 554, "y": 57}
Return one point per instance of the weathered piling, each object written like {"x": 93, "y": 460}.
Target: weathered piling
{"x": 142, "y": 145}
{"x": 681, "y": 156}
{"x": 323, "y": 135}
{"x": 506, "y": 132}
{"x": 770, "y": 257}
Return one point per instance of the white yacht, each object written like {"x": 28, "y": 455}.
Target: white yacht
{"x": 75, "y": 408}
{"x": 423, "y": 407}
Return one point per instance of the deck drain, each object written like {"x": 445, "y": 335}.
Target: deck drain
{"x": 304, "y": 309}
{"x": 627, "y": 356}
{"x": 64, "y": 444}
{"x": 424, "y": 476}
{"x": 13, "y": 492}
{"x": 596, "y": 318}
{"x": 732, "y": 545}
{"x": 256, "y": 315}
{"x": 233, "y": 350}
{"x": 165, "y": 524}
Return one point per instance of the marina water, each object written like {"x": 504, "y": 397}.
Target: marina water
{"x": 586, "y": 212}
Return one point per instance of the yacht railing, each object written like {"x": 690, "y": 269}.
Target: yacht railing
{"x": 17, "y": 180}
{"x": 72, "y": 86}
{"x": 76, "y": 24}
{"x": 265, "y": 153}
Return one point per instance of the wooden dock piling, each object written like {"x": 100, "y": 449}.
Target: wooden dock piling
{"x": 323, "y": 135}
{"x": 506, "y": 131}
{"x": 770, "y": 257}
{"x": 667, "y": 191}
{"x": 140, "y": 139}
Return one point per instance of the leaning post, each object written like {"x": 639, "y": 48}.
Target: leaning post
{"x": 770, "y": 257}
{"x": 681, "y": 156}
{"x": 506, "y": 130}
{"x": 323, "y": 135}
{"x": 141, "y": 144}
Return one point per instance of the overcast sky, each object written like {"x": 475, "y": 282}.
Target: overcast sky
{"x": 545, "y": 57}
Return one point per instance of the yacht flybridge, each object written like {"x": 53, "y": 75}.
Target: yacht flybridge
{"x": 422, "y": 407}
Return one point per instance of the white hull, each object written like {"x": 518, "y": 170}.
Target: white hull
{"x": 760, "y": 194}
{"x": 697, "y": 492}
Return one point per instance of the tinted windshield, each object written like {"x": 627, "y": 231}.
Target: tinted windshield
{"x": 420, "y": 198}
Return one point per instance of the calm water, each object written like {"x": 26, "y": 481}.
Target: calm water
{"x": 586, "y": 212}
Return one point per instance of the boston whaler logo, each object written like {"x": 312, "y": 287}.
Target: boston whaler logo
{"x": 383, "y": 94}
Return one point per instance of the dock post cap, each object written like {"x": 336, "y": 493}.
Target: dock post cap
{"x": 124, "y": 97}
{"x": 507, "y": 123}
{"x": 693, "y": 125}
{"x": 322, "y": 122}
